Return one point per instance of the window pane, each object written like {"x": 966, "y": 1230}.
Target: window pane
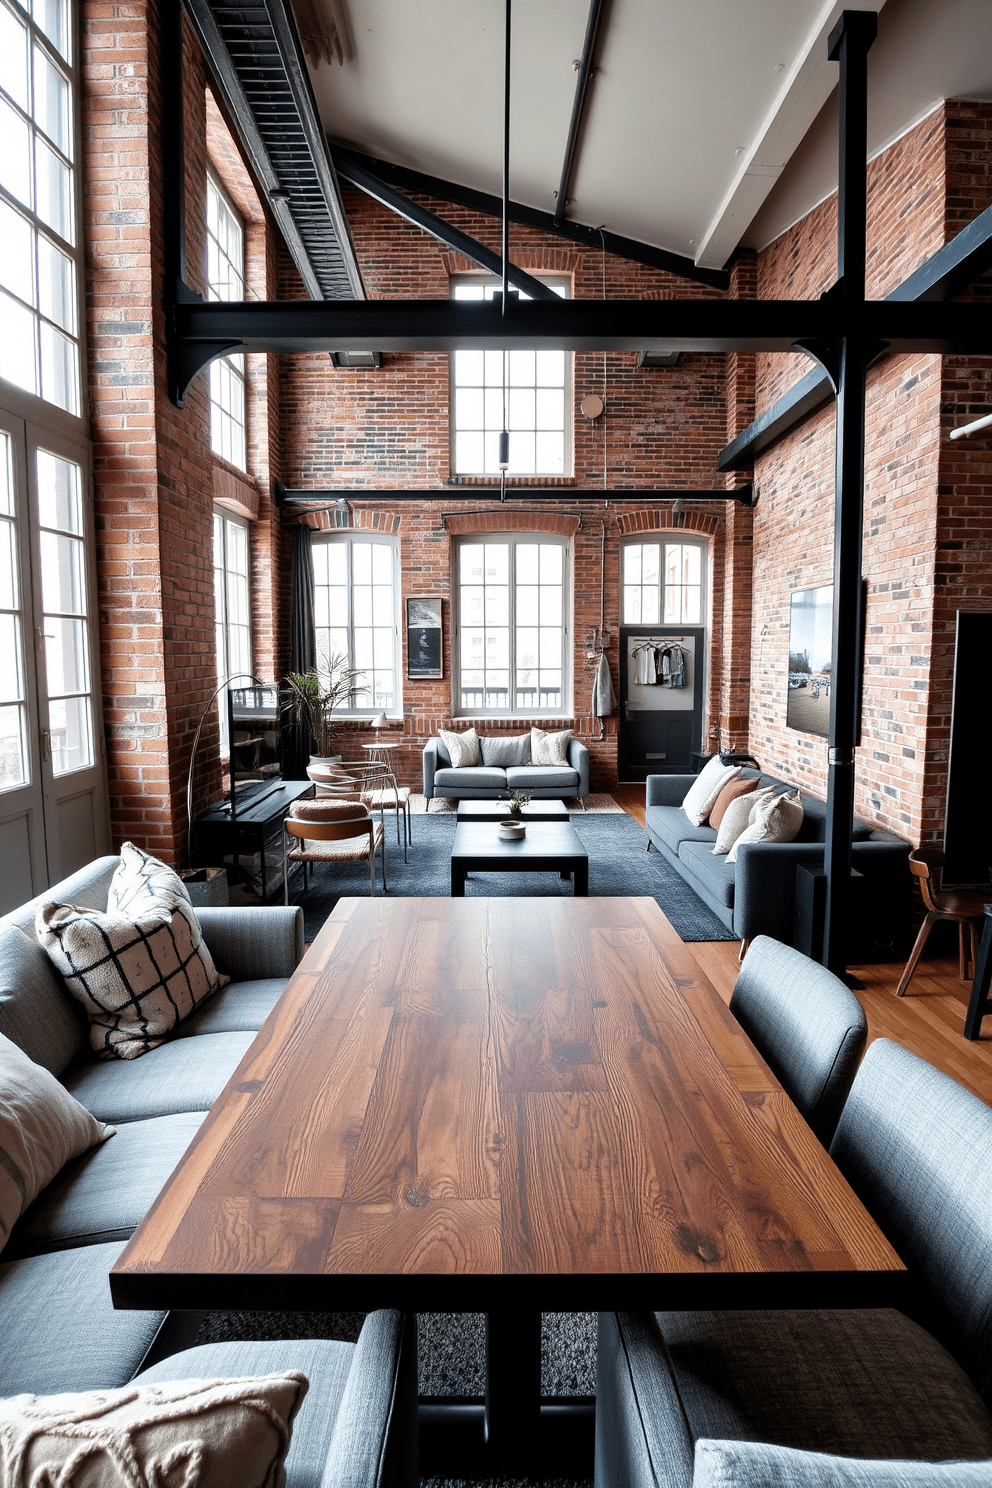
{"x": 16, "y": 253}
{"x": 652, "y": 560}
{"x": 18, "y": 357}
{"x": 13, "y": 770}
{"x": 65, "y": 656}
{"x": 551, "y": 563}
{"x": 52, "y": 102}
{"x": 52, "y": 17}
{"x": 470, "y": 409}
{"x": 63, "y": 588}
{"x": 632, "y": 564}
{"x": 15, "y": 154}
{"x": 56, "y": 285}
{"x": 72, "y": 734}
{"x": 650, "y": 606}
{"x": 59, "y": 493}
{"x": 469, "y": 453}
{"x": 497, "y": 563}
{"x": 550, "y": 368}
{"x": 631, "y": 605}
{"x": 9, "y": 599}
{"x": 59, "y": 373}
{"x": 53, "y": 190}
{"x": 469, "y": 368}
{"x": 528, "y": 604}
{"x": 13, "y": 57}
{"x": 549, "y": 454}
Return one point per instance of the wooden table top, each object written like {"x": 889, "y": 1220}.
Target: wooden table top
{"x": 465, "y": 1104}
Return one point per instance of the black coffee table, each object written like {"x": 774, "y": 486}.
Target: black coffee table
{"x": 546, "y": 847}
{"x": 497, "y": 811}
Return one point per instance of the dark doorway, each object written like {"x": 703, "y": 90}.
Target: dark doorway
{"x": 660, "y": 725}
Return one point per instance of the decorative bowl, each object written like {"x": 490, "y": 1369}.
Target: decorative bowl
{"x": 512, "y": 829}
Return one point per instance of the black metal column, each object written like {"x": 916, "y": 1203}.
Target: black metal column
{"x": 849, "y": 44}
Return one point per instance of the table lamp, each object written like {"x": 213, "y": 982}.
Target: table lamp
{"x": 380, "y": 721}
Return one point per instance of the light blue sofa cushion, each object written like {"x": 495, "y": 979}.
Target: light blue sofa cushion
{"x": 915, "y": 1146}
{"x": 807, "y": 1025}
{"x": 721, "y": 1464}
{"x": 541, "y": 777}
{"x": 182, "y": 1075}
{"x": 859, "y": 1384}
{"x": 505, "y": 750}
{"x": 471, "y": 778}
{"x": 36, "y": 1012}
{"x": 719, "y": 876}
{"x": 59, "y": 1330}
{"x": 672, "y": 827}
{"x": 238, "y": 1007}
{"x": 104, "y": 1194}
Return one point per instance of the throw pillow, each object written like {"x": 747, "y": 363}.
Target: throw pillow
{"x": 140, "y": 878}
{"x": 463, "y": 749}
{"x": 549, "y": 749}
{"x": 211, "y": 1433}
{"x": 504, "y": 752}
{"x": 737, "y": 817}
{"x": 135, "y": 977}
{"x": 703, "y": 791}
{"x": 730, "y": 792}
{"x": 41, "y": 1127}
{"x": 776, "y": 819}
{"x": 746, "y": 1464}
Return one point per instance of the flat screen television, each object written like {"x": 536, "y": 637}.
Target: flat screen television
{"x": 255, "y": 735}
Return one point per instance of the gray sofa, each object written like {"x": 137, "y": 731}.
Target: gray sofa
{"x": 757, "y": 894}
{"x": 777, "y": 1397}
{"x": 58, "y": 1329}
{"x": 489, "y": 783}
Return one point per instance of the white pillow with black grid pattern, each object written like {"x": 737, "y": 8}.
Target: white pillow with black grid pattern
{"x": 137, "y": 973}
{"x": 139, "y": 879}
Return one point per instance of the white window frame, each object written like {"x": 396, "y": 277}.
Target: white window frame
{"x": 515, "y": 372}
{"x": 340, "y": 639}
{"x": 228, "y": 379}
{"x": 662, "y": 540}
{"x": 232, "y": 593}
{"x": 41, "y": 288}
{"x": 515, "y": 706}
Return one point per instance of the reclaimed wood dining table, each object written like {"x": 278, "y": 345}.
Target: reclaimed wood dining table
{"x": 506, "y": 1106}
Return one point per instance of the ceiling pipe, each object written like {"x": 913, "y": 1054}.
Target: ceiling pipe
{"x": 972, "y": 428}
{"x": 578, "y": 107}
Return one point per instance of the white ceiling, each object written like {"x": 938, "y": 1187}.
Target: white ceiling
{"x": 709, "y": 123}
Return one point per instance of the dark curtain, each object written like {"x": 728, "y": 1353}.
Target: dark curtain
{"x": 303, "y": 647}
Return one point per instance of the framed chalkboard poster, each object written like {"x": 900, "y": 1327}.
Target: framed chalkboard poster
{"x": 424, "y": 655}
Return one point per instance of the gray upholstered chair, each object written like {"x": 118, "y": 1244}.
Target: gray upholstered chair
{"x": 858, "y": 1384}
{"x": 807, "y": 1025}
{"x": 358, "y": 1423}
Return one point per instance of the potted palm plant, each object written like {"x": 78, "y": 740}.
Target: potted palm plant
{"x": 315, "y": 697}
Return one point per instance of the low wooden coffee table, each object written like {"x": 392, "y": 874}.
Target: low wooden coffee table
{"x": 497, "y": 811}
{"x": 546, "y": 847}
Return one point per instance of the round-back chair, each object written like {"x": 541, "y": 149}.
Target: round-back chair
{"x": 332, "y": 831}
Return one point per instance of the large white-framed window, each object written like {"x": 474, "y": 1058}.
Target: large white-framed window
{"x": 232, "y": 603}
{"x": 14, "y": 758}
{"x": 65, "y": 611}
{"x": 226, "y": 281}
{"x": 664, "y": 581}
{"x": 39, "y": 251}
{"x": 512, "y": 624}
{"x": 356, "y": 615}
{"x": 530, "y": 390}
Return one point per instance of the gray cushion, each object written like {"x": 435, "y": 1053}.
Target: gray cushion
{"x": 719, "y": 876}
{"x": 181, "y": 1075}
{"x": 915, "y": 1145}
{"x": 541, "y": 777}
{"x": 672, "y": 827}
{"x": 36, "y": 1011}
{"x": 59, "y": 1328}
{"x": 325, "y": 1363}
{"x": 721, "y": 1464}
{"x": 104, "y": 1194}
{"x": 238, "y": 1007}
{"x": 807, "y": 1025}
{"x": 471, "y": 777}
{"x": 87, "y": 888}
{"x": 858, "y": 1384}
{"x": 504, "y": 750}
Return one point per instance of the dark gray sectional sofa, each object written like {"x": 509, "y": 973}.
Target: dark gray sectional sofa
{"x": 757, "y": 894}
{"x": 58, "y": 1329}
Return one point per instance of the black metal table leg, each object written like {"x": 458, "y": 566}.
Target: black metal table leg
{"x": 979, "y": 1003}
{"x": 513, "y": 1383}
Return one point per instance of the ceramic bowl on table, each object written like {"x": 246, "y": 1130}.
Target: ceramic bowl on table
{"x": 512, "y": 830}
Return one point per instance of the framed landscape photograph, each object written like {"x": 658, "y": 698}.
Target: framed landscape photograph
{"x": 810, "y": 660}
{"x": 424, "y": 653}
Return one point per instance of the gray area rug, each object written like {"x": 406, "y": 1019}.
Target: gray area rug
{"x": 618, "y": 865}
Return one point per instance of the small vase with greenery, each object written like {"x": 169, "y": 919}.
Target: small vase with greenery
{"x": 518, "y": 800}
{"x": 315, "y": 696}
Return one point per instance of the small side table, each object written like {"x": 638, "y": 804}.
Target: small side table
{"x": 979, "y": 1002}
{"x": 380, "y": 753}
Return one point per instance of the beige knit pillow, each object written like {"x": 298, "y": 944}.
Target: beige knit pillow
{"x": 463, "y": 749}
{"x": 737, "y": 818}
{"x": 549, "y": 749}
{"x": 42, "y": 1127}
{"x": 776, "y": 819}
{"x": 197, "y": 1433}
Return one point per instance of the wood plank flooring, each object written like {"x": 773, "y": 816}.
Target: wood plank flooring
{"x": 929, "y": 1020}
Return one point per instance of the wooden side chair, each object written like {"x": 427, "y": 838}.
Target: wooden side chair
{"x": 332, "y": 831}
{"x": 373, "y": 783}
{"x": 966, "y": 906}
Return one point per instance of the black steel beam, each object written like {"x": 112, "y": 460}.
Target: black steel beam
{"x": 578, "y": 108}
{"x": 950, "y": 271}
{"x": 575, "y": 232}
{"x": 410, "y": 211}
{"x": 331, "y": 496}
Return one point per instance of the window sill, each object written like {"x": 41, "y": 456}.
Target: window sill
{"x": 516, "y": 482}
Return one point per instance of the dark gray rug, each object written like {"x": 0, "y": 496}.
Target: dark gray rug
{"x": 618, "y": 865}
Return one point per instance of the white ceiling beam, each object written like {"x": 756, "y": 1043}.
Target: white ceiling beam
{"x": 806, "y": 86}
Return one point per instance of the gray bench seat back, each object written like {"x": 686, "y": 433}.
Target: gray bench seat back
{"x": 917, "y": 1149}
{"x": 807, "y": 1025}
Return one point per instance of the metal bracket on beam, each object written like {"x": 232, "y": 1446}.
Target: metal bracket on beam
{"x": 187, "y": 358}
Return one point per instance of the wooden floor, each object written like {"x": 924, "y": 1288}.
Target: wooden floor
{"x": 929, "y": 1020}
